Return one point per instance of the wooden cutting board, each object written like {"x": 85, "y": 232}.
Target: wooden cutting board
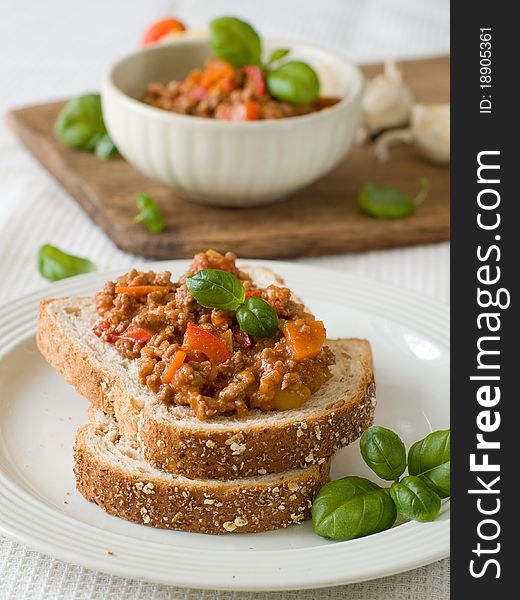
{"x": 321, "y": 219}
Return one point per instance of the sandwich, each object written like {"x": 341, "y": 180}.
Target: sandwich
{"x": 206, "y": 416}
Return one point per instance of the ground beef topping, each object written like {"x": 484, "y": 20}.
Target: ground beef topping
{"x": 219, "y": 91}
{"x": 155, "y": 321}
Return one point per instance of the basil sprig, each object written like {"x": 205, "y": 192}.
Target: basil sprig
{"x": 354, "y": 507}
{"x": 277, "y": 55}
{"x": 295, "y": 82}
{"x": 414, "y": 499}
{"x": 384, "y": 452}
{"x": 80, "y": 125}
{"x": 214, "y": 288}
{"x": 429, "y": 459}
{"x": 149, "y": 214}
{"x": 383, "y": 202}
{"x": 237, "y": 42}
{"x": 257, "y": 317}
{"x": 54, "y": 264}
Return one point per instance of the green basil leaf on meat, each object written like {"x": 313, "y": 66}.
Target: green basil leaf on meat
{"x": 80, "y": 125}
{"x": 257, "y": 317}
{"x": 384, "y": 452}
{"x": 429, "y": 459}
{"x": 352, "y": 507}
{"x": 149, "y": 214}
{"x": 214, "y": 288}
{"x": 295, "y": 82}
{"x": 54, "y": 264}
{"x": 383, "y": 202}
{"x": 415, "y": 500}
{"x": 235, "y": 41}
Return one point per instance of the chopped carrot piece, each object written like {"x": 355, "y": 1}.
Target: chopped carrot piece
{"x": 137, "y": 291}
{"x": 178, "y": 360}
{"x": 304, "y": 339}
{"x": 215, "y": 71}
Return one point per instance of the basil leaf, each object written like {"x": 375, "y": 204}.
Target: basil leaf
{"x": 105, "y": 148}
{"x": 149, "y": 214}
{"x": 80, "y": 125}
{"x": 429, "y": 459}
{"x": 235, "y": 41}
{"x": 214, "y": 288}
{"x": 415, "y": 500}
{"x": 295, "y": 82}
{"x": 54, "y": 264}
{"x": 352, "y": 507}
{"x": 257, "y": 317}
{"x": 382, "y": 202}
{"x": 384, "y": 452}
{"x": 277, "y": 55}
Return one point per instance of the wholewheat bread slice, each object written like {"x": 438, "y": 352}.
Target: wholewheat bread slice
{"x": 110, "y": 471}
{"x": 173, "y": 439}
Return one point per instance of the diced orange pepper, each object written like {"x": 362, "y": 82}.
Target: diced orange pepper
{"x": 304, "y": 338}
{"x": 178, "y": 360}
{"x": 161, "y": 29}
{"x": 292, "y": 397}
{"x": 198, "y": 338}
{"x": 137, "y": 291}
{"x": 215, "y": 71}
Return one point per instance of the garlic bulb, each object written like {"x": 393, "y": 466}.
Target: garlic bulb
{"x": 387, "y": 101}
{"x": 429, "y": 131}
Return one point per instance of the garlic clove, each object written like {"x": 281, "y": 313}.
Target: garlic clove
{"x": 389, "y": 138}
{"x": 431, "y": 130}
{"x": 387, "y": 101}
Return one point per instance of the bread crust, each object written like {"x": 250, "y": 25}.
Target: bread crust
{"x": 67, "y": 357}
{"x": 238, "y": 450}
{"x": 197, "y": 506}
{"x": 250, "y": 451}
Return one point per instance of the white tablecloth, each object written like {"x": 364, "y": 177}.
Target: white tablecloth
{"x": 60, "y": 48}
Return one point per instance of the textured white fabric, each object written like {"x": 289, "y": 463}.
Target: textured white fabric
{"x": 59, "y": 48}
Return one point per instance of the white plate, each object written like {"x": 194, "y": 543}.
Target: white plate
{"x": 39, "y": 414}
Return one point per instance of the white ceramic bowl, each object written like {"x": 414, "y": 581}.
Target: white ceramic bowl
{"x": 228, "y": 163}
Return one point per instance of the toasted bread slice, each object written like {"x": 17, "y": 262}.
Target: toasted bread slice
{"x": 110, "y": 471}
{"x": 173, "y": 439}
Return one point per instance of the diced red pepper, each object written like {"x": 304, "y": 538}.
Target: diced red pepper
{"x": 243, "y": 111}
{"x": 256, "y": 76}
{"x": 198, "y": 338}
{"x": 198, "y": 93}
{"x": 253, "y": 294}
{"x": 136, "y": 334}
{"x": 160, "y": 29}
{"x": 101, "y": 329}
{"x": 243, "y": 339}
